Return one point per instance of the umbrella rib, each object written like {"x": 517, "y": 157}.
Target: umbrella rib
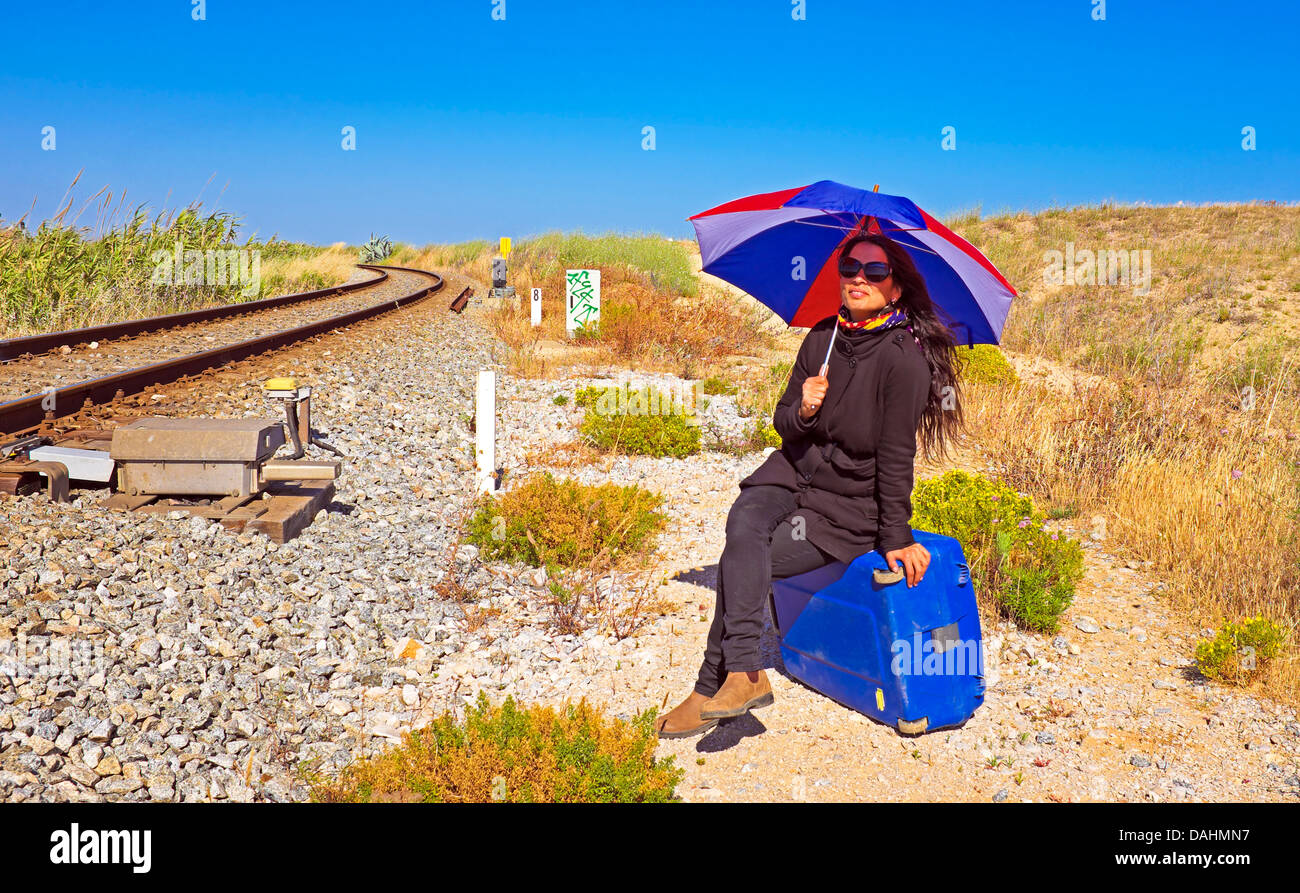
{"x": 915, "y": 229}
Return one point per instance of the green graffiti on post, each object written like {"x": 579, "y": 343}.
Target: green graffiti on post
{"x": 582, "y": 297}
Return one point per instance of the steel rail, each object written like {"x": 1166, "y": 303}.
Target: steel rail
{"x": 13, "y": 348}
{"x": 27, "y": 414}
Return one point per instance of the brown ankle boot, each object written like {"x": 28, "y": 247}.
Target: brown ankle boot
{"x": 683, "y": 721}
{"x": 737, "y": 695}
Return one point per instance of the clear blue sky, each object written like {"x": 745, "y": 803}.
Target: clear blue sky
{"x": 468, "y": 127}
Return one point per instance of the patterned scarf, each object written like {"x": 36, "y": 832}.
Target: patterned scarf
{"x": 885, "y": 319}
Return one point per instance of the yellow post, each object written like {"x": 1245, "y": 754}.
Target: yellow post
{"x": 505, "y": 246}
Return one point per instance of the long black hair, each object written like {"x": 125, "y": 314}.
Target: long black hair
{"x": 942, "y": 418}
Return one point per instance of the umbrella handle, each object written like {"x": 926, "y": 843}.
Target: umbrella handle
{"x": 826, "y": 363}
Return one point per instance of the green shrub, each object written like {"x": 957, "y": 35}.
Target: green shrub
{"x": 762, "y": 435}
{"x": 1055, "y": 513}
{"x": 986, "y": 364}
{"x": 547, "y": 522}
{"x": 1029, "y": 572}
{"x": 584, "y": 397}
{"x": 642, "y": 421}
{"x": 515, "y": 755}
{"x": 375, "y": 250}
{"x": 1238, "y": 652}
{"x": 588, "y": 331}
{"x": 717, "y": 385}
{"x": 560, "y": 400}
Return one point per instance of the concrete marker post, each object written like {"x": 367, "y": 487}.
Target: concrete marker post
{"x": 485, "y": 430}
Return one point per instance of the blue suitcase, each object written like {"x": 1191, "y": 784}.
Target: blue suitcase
{"x": 912, "y": 658}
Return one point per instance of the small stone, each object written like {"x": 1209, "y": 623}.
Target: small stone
{"x": 82, "y": 775}
{"x": 1087, "y": 625}
{"x": 1000, "y": 796}
{"x": 1140, "y": 761}
{"x": 40, "y": 746}
{"x": 66, "y": 739}
{"x": 91, "y": 754}
{"x": 103, "y": 732}
{"x": 410, "y": 696}
{"x": 1045, "y": 738}
{"x": 408, "y": 649}
{"x": 109, "y": 765}
{"x": 119, "y": 785}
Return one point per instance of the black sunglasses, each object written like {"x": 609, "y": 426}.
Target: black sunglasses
{"x": 872, "y": 270}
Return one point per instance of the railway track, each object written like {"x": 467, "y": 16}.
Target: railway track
{"x": 39, "y": 389}
{"x": 33, "y": 345}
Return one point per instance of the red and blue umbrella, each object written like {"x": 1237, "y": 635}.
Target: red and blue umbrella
{"x": 781, "y": 247}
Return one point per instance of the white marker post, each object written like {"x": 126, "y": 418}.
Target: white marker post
{"x": 485, "y": 417}
{"x": 537, "y": 307}
{"x": 581, "y": 299}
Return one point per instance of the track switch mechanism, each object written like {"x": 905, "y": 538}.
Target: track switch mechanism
{"x": 297, "y": 414}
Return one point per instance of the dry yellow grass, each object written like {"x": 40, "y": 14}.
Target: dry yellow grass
{"x": 1224, "y": 280}
{"x": 649, "y": 319}
{"x": 333, "y": 265}
{"x": 1215, "y": 513}
{"x": 1173, "y": 420}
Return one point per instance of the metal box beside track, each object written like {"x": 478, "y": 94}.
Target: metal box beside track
{"x": 194, "y": 456}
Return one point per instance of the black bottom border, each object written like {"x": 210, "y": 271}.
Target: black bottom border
{"x": 401, "y": 842}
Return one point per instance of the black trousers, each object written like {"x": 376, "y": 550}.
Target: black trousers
{"x": 761, "y": 545}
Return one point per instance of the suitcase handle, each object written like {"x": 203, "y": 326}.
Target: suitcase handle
{"x": 884, "y": 577}
{"x": 963, "y": 574}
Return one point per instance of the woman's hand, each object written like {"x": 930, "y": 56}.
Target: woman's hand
{"x": 814, "y": 394}
{"x": 914, "y": 558}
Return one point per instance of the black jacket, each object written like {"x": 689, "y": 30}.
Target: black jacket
{"x": 851, "y": 464}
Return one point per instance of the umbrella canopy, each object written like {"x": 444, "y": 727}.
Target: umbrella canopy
{"x": 781, "y": 247}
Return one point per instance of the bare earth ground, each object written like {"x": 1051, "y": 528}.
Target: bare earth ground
{"x": 1117, "y": 714}
{"x": 1121, "y": 720}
